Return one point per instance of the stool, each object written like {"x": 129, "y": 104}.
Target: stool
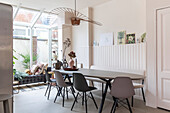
{"x": 4, "y": 98}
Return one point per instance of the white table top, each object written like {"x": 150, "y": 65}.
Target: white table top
{"x": 103, "y": 74}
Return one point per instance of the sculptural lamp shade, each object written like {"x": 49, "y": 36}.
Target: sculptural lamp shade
{"x": 76, "y": 18}
{"x": 75, "y": 21}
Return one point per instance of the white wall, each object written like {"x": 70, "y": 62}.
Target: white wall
{"x": 115, "y": 15}
{"x": 152, "y": 5}
{"x": 81, "y": 40}
{"x": 118, "y": 15}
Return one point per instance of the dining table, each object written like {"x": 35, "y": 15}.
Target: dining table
{"x": 106, "y": 76}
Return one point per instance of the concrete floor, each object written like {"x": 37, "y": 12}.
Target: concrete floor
{"x": 35, "y": 102}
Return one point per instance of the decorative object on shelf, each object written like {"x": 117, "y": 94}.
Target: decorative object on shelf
{"x": 71, "y": 55}
{"x": 57, "y": 65}
{"x": 76, "y": 16}
{"x": 121, "y": 37}
{"x": 65, "y": 64}
{"x": 66, "y": 45}
{"x": 143, "y": 37}
{"x": 107, "y": 39}
{"x": 130, "y": 38}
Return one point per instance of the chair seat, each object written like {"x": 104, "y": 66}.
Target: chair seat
{"x": 138, "y": 85}
{"x": 91, "y": 88}
{"x": 69, "y": 84}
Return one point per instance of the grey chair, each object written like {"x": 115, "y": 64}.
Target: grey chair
{"x": 49, "y": 83}
{"x": 80, "y": 84}
{"x": 62, "y": 86}
{"x": 122, "y": 88}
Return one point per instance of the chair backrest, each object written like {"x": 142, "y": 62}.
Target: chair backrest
{"x": 59, "y": 79}
{"x": 80, "y": 83}
{"x": 122, "y": 87}
{"x": 47, "y": 76}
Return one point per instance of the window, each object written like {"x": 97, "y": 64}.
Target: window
{"x": 21, "y": 32}
{"x": 25, "y": 15}
{"x": 42, "y": 33}
{"x": 54, "y": 34}
{"x": 46, "y": 19}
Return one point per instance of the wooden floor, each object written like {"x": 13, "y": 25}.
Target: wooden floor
{"x": 35, "y": 102}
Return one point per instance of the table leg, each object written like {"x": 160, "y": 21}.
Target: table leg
{"x": 104, "y": 95}
{"x": 6, "y": 106}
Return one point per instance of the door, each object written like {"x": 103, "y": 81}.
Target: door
{"x": 163, "y": 57}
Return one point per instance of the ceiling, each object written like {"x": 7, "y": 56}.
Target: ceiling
{"x": 51, "y": 4}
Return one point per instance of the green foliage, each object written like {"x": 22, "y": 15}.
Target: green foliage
{"x": 14, "y": 58}
{"x": 121, "y": 34}
{"x": 143, "y": 37}
{"x": 26, "y": 61}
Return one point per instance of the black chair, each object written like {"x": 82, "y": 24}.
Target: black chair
{"x": 80, "y": 84}
{"x": 122, "y": 88}
{"x": 49, "y": 83}
{"x": 62, "y": 86}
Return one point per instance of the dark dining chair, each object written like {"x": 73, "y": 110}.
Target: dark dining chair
{"x": 122, "y": 89}
{"x": 49, "y": 83}
{"x": 80, "y": 84}
{"x": 62, "y": 86}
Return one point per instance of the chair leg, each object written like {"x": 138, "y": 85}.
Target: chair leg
{"x": 132, "y": 101}
{"x": 129, "y": 105}
{"x": 46, "y": 90}
{"x": 63, "y": 95}
{"x": 85, "y": 101}
{"x": 67, "y": 92}
{"x": 73, "y": 94}
{"x": 74, "y": 101}
{"x": 102, "y": 88}
{"x": 143, "y": 95}
{"x": 58, "y": 94}
{"x": 114, "y": 106}
{"x": 93, "y": 99}
{"x": 49, "y": 92}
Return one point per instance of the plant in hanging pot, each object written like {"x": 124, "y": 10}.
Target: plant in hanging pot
{"x": 71, "y": 62}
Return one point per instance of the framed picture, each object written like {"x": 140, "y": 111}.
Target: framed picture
{"x": 106, "y": 39}
{"x": 130, "y": 38}
{"x": 121, "y": 37}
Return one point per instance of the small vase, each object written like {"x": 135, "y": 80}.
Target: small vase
{"x": 71, "y": 63}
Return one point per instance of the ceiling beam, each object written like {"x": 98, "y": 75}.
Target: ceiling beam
{"x": 16, "y": 12}
{"x": 36, "y": 18}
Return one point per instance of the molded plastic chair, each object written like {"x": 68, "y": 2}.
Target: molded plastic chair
{"x": 49, "y": 83}
{"x": 122, "y": 88}
{"x": 62, "y": 85}
{"x": 80, "y": 84}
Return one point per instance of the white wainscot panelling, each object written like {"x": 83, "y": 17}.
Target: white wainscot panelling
{"x": 129, "y": 56}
